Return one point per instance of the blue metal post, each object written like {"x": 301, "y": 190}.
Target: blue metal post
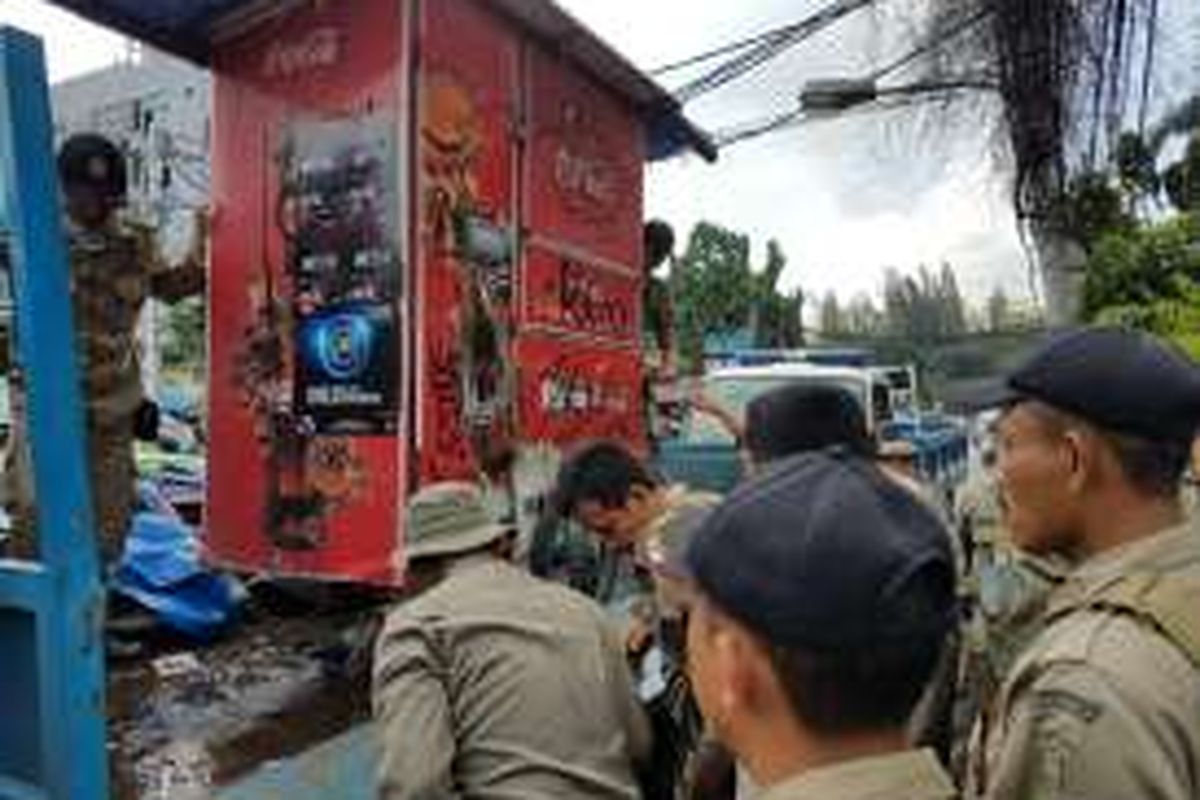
{"x": 51, "y": 611}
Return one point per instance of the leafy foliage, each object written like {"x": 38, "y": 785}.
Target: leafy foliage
{"x": 917, "y": 309}
{"x": 924, "y": 307}
{"x": 1145, "y": 265}
{"x": 183, "y": 345}
{"x": 1176, "y": 318}
{"x": 1181, "y": 180}
{"x": 1145, "y": 273}
{"x": 1067, "y": 71}
{"x": 715, "y": 291}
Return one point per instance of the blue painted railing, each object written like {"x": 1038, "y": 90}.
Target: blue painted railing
{"x": 51, "y": 610}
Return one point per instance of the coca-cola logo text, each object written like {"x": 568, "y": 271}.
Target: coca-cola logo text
{"x": 318, "y": 49}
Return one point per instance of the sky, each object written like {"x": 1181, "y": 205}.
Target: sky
{"x": 845, "y": 197}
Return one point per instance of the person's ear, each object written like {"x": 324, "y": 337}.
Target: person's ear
{"x": 638, "y": 495}
{"x": 1080, "y": 459}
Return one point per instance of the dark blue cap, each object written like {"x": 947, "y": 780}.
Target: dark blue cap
{"x": 1120, "y": 380}
{"x": 825, "y": 553}
{"x": 800, "y": 417}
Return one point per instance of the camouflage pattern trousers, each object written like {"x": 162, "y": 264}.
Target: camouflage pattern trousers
{"x": 112, "y": 472}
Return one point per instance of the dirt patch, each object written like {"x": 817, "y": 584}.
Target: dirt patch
{"x": 185, "y": 721}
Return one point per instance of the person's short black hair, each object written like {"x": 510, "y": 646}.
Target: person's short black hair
{"x": 800, "y": 417}
{"x": 602, "y": 472}
{"x": 859, "y": 691}
{"x": 658, "y": 242}
{"x": 1154, "y": 467}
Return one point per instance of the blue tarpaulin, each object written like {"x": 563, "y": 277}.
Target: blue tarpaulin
{"x": 161, "y": 570}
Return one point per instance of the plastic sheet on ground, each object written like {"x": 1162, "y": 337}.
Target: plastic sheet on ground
{"x": 161, "y": 570}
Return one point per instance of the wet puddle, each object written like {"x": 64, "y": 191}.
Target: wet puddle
{"x": 184, "y": 723}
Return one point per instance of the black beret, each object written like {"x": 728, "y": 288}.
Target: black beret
{"x": 1120, "y": 380}
{"x": 827, "y": 554}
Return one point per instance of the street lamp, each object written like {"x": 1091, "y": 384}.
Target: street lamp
{"x": 834, "y": 95}
{"x": 827, "y": 97}
{"x": 830, "y": 95}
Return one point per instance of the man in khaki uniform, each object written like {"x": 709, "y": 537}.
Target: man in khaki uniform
{"x": 1006, "y": 590}
{"x": 638, "y": 518}
{"x": 823, "y": 594}
{"x": 1104, "y": 702}
{"x": 492, "y": 683}
{"x": 115, "y": 267}
{"x": 614, "y": 495}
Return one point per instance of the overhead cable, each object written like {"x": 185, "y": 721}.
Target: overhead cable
{"x": 772, "y": 45}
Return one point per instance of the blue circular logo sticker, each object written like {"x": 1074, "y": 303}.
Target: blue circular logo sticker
{"x": 344, "y": 346}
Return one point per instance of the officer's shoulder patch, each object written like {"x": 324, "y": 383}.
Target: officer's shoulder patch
{"x": 1057, "y": 701}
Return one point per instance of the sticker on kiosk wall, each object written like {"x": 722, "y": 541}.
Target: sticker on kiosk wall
{"x": 339, "y": 212}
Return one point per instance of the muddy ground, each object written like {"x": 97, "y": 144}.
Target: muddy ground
{"x": 186, "y": 719}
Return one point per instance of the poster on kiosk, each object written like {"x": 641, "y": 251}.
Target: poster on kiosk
{"x": 427, "y": 255}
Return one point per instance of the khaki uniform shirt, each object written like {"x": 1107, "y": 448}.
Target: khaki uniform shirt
{"x": 908, "y": 775}
{"x": 495, "y": 684}
{"x": 1100, "y": 705}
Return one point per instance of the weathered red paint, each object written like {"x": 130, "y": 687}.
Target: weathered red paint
{"x": 492, "y": 129}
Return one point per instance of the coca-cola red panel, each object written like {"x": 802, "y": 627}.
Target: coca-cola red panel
{"x": 307, "y": 295}
{"x": 585, "y": 164}
{"x": 572, "y": 391}
{"x": 571, "y": 293}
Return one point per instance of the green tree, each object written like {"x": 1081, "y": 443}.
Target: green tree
{"x": 1136, "y": 168}
{"x": 953, "y": 310}
{"x": 862, "y": 318}
{"x": 1176, "y": 317}
{"x": 831, "y": 323}
{"x": 1146, "y": 274}
{"x": 1149, "y": 279}
{"x": 1182, "y": 179}
{"x": 715, "y": 291}
{"x": 183, "y": 343}
{"x": 711, "y": 287}
{"x": 1065, "y": 72}
{"x": 1143, "y": 266}
{"x": 897, "y": 303}
{"x": 924, "y": 308}
{"x": 998, "y": 311}
{"x": 776, "y": 317}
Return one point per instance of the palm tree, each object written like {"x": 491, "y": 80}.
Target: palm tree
{"x": 1069, "y": 74}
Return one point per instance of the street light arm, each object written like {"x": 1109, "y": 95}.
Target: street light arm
{"x": 842, "y": 94}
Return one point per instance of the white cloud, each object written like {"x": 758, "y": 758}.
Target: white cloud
{"x": 73, "y": 46}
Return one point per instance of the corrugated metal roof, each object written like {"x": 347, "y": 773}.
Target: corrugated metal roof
{"x": 190, "y": 28}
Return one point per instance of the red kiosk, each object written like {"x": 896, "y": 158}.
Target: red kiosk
{"x": 426, "y": 255}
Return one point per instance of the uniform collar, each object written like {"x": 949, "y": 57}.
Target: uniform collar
{"x": 673, "y": 496}
{"x": 913, "y": 774}
{"x": 1162, "y": 550}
